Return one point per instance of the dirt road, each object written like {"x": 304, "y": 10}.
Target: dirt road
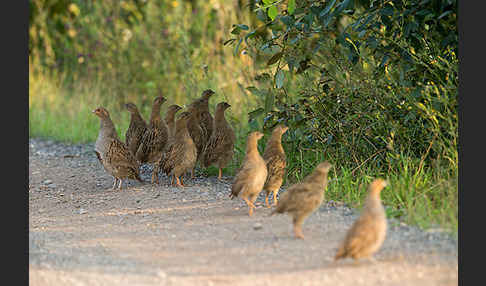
{"x": 83, "y": 233}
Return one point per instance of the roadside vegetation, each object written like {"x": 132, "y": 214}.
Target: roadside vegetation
{"x": 369, "y": 85}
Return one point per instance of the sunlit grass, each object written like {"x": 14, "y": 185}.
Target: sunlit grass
{"x": 180, "y": 67}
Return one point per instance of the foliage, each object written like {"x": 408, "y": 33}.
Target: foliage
{"x": 365, "y": 79}
{"x": 375, "y": 95}
{"x": 135, "y": 50}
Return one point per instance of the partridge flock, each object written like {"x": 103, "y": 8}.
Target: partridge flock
{"x": 176, "y": 143}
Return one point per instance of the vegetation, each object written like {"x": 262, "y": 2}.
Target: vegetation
{"x": 369, "y": 85}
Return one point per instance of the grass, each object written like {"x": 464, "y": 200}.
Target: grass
{"x": 427, "y": 199}
{"x": 187, "y": 59}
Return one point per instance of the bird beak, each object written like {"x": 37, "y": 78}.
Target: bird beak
{"x": 93, "y": 111}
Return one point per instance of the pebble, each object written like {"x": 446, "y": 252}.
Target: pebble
{"x": 257, "y": 226}
{"x": 47, "y": 182}
{"x": 82, "y": 211}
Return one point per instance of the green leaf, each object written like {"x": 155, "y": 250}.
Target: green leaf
{"x": 387, "y": 11}
{"x": 287, "y": 20}
{"x": 279, "y": 79}
{"x": 243, "y": 27}
{"x": 291, "y": 7}
{"x": 236, "y": 30}
{"x": 274, "y": 58}
{"x": 262, "y": 77}
{"x": 444, "y": 14}
{"x": 229, "y": 41}
{"x": 327, "y": 9}
{"x": 269, "y": 100}
{"x": 343, "y": 5}
{"x": 249, "y": 35}
{"x": 255, "y": 91}
{"x": 235, "y": 51}
{"x": 255, "y": 113}
{"x": 272, "y": 12}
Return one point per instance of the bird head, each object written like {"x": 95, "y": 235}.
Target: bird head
{"x": 101, "y": 112}
{"x": 207, "y": 94}
{"x": 223, "y": 106}
{"x": 377, "y": 185}
{"x": 131, "y": 107}
{"x": 324, "y": 167}
{"x": 257, "y": 135}
{"x": 159, "y": 100}
{"x": 174, "y": 108}
{"x": 281, "y": 129}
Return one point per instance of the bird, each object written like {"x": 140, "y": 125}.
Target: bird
{"x": 170, "y": 118}
{"x": 302, "y": 199}
{"x": 367, "y": 234}
{"x": 200, "y": 125}
{"x": 181, "y": 153}
{"x": 250, "y": 178}
{"x": 136, "y": 129}
{"x": 112, "y": 153}
{"x": 220, "y": 146}
{"x": 274, "y": 156}
{"x": 154, "y": 139}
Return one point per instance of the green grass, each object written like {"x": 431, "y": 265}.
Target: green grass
{"x": 427, "y": 198}
{"x": 183, "y": 62}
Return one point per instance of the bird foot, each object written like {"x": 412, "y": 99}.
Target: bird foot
{"x": 298, "y": 233}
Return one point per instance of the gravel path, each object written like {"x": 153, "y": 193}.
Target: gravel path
{"x": 83, "y": 233}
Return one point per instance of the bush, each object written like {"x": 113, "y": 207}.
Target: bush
{"x": 363, "y": 82}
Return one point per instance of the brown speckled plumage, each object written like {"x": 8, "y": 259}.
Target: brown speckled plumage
{"x": 180, "y": 155}
{"x": 155, "y": 137}
{"x": 136, "y": 129}
{"x": 219, "y": 149}
{"x": 368, "y": 232}
{"x": 274, "y": 156}
{"x": 170, "y": 119}
{"x": 115, "y": 157}
{"x": 302, "y": 199}
{"x": 200, "y": 125}
{"x": 249, "y": 180}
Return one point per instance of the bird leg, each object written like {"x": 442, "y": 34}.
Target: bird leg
{"x": 298, "y": 227}
{"x": 298, "y": 231}
{"x": 155, "y": 176}
{"x": 275, "y": 201}
{"x": 178, "y": 182}
{"x": 251, "y": 206}
{"x": 120, "y": 184}
{"x": 172, "y": 180}
{"x": 192, "y": 173}
{"x": 266, "y": 201}
{"x": 182, "y": 182}
{"x": 114, "y": 183}
{"x": 220, "y": 173}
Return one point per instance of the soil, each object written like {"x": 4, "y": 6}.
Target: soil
{"x": 81, "y": 232}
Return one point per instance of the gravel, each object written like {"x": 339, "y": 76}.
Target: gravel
{"x": 81, "y": 232}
